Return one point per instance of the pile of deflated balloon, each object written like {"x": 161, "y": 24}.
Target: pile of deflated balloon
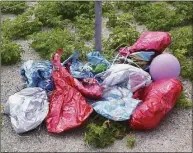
{"x": 65, "y": 93}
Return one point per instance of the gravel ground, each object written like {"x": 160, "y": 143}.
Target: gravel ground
{"x": 173, "y": 135}
{"x": 7, "y": 16}
{"x": 105, "y": 31}
{"x": 140, "y": 28}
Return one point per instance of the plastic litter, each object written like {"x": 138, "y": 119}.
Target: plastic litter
{"x": 142, "y": 56}
{"x": 134, "y": 77}
{"x": 140, "y": 59}
{"x": 68, "y": 108}
{"x": 121, "y": 90}
{"x": 27, "y": 109}
{"x": 117, "y": 104}
{"x": 96, "y": 59}
{"x": 80, "y": 70}
{"x": 73, "y": 57}
{"x": 86, "y": 84}
{"x": 38, "y": 74}
{"x": 89, "y": 88}
{"x": 168, "y": 64}
{"x": 156, "y": 41}
{"x": 96, "y": 64}
{"x": 119, "y": 82}
{"x": 143, "y": 59}
{"x": 99, "y": 68}
{"x": 158, "y": 99}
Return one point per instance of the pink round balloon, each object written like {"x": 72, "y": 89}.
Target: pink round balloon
{"x": 164, "y": 66}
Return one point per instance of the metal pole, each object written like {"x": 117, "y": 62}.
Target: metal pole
{"x": 98, "y": 25}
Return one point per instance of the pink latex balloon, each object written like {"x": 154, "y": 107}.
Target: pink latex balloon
{"x": 164, "y": 66}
